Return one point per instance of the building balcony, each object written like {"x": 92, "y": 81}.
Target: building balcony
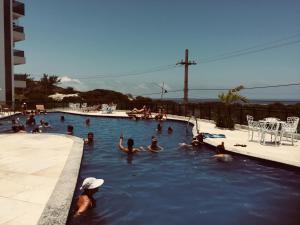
{"x": 19, "y": 57}
{"x": 18, "y": 33}
{"x": 20, "y": 80}
{"x": 18, "y": 9}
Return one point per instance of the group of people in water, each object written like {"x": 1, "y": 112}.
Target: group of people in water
{"x": 18, "y": 126}
{"x": 91, "y": 185}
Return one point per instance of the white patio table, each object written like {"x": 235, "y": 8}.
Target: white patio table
{"x": 270, "y": 126}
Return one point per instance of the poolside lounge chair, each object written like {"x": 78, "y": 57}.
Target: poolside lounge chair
{"x": 40, "y": 108}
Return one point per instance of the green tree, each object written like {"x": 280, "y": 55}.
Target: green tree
{"x": 233, "y": 95}
{"x": 48, "y": 83}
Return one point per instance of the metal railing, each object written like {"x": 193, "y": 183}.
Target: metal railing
{"x": 19, "y": 53}
{"x": 19, "y": 7}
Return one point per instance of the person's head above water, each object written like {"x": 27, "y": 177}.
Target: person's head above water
{"x": 91, "y": 183}
{"x": 90, "y": 136}
{"x": 130, "y": 143}
{"x": 153, "y": 139}
{"x": 62, "y": 118}
{"x": 70, "y": 129}
{"x": 159, "y": 127}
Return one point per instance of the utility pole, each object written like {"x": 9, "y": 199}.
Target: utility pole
{"x": 186, "y": 64}
{"x": 163, "y": 90}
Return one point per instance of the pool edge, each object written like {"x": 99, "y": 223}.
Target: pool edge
{"x": 58, "y": 206}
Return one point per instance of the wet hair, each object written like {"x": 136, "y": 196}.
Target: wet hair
{"x": 159, "y": 127}
{"x": 70, "y": 128}
{"x": 46, "y": 124}
{"x": 90, "y": 133}
{"x": 130, "y": 142}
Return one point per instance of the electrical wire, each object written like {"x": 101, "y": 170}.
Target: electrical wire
{"x": 152, "y": 70}
{"x": 251, "y": 51}
{"x": 251, "y": 47}
{"x": 226, "y": 89}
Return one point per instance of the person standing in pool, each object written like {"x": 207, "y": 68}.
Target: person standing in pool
{"x": 159, "y": 128}
{"x": 87, "y": 122}
{"x": 86, "y": 201}
{"x": 130, "y": 149}
{"x": 70, "y": 130}
{"x": 154, "y": 147}
{"x": 90, "y": 138}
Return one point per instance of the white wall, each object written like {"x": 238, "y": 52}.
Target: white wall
{"x": 2, "y": 54}
{"x": 20, "y": 84}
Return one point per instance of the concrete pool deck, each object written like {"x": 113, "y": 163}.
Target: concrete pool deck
{"x": 32, "y": 167}
{"x": 285, "y": 153}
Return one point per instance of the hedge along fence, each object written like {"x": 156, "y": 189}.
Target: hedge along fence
{"x": 206, "y": 110}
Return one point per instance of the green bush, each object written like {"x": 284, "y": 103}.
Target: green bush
{"x": 224, "y": 121}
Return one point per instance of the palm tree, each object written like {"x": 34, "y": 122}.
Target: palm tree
{"x": 232, "y": 96}
{"x": 48, "y": 82}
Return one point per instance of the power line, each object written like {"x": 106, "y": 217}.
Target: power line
{"x": 251, "y": 47}
{"x": 226, "y": 89}
{"x": 151, "y": 70}
{"x": 126, "y": 74}
{"x": 252, "y": 51}
{"x": 224, "y": 56}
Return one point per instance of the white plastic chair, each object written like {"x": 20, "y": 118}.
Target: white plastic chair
{"x": 253, "y": 126}
{"x": 84, "y": 106}
{"x": 71, "y": 106}
{"x": 289, "y": 128}
{"x": 270, "y": 127}
{"x": 104, "y": 108}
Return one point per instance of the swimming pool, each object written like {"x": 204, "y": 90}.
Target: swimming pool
{"x": 176, "y": 186}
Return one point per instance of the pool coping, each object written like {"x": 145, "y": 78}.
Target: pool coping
{"x": 58, "y": 206}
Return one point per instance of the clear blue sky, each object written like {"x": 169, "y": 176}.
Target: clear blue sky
{"x": 87, "y": 38}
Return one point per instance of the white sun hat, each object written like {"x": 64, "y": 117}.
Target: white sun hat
{"x": 91, "y": 183}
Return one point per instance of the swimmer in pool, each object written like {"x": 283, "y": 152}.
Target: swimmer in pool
{"x": 70, "y": 129}
{"x": 130, "y": 149}
{"x": 158, "y": 128}
{"x": 89, "y": 139}
{"x": 221, "y": 156}
{"x": 154, "y": 147}
{"x": 86, "y": 201}
{"x": 193, "y": 144}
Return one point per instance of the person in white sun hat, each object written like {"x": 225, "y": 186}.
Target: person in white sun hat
{"x": 86, "y": 201}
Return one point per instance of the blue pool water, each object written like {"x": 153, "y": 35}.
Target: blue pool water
{"x": 176, "y": 186}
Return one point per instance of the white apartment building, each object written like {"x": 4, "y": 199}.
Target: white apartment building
{"x": 11, "y": 32}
